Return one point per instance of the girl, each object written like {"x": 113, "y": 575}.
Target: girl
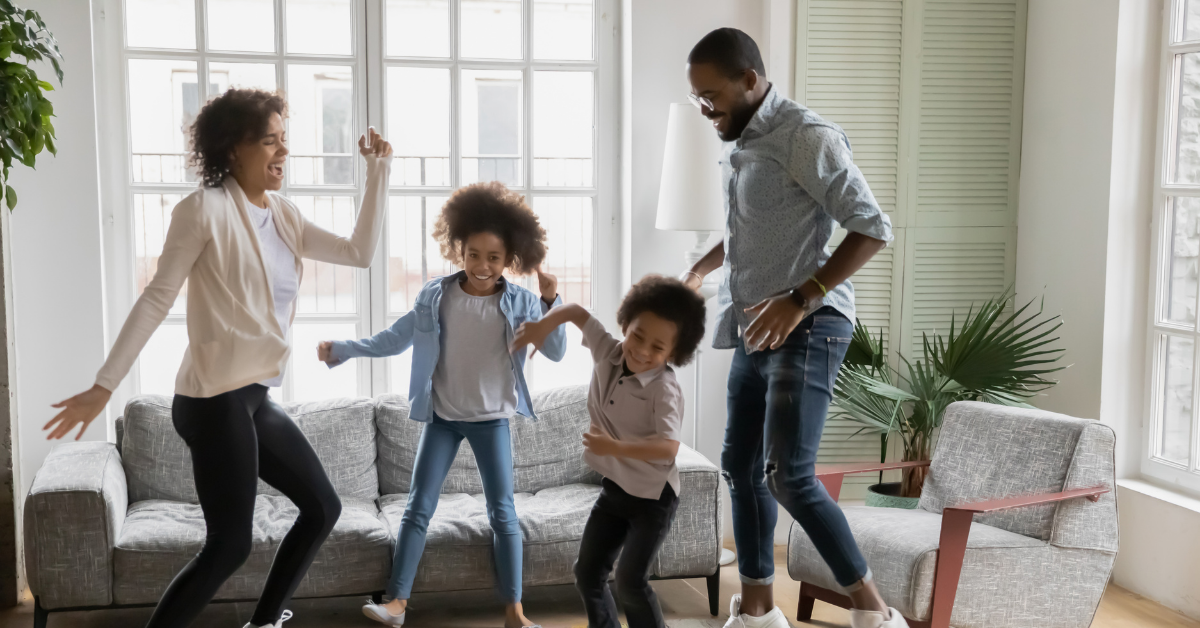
{"x": 465, "y": 383}
{"x": 239, "y": 247}
{"x": 637, "y": 414}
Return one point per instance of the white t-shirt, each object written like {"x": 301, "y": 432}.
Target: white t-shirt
{"x": 473, "y": 379}
{"x": 281, "y": 266}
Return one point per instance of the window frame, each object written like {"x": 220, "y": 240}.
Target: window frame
{"x": 1159, "y": 328}
{"x": 368, "y": 41}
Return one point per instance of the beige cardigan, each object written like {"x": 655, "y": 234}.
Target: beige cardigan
{"x": 233, "y": 337}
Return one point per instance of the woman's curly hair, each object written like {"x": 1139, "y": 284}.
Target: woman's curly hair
{"x": 670, "y": 300}
{"x": 492, "y": 208}
{"x": 226, "y": 121}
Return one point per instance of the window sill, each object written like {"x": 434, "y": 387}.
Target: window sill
{"x": 1175, "y": 495}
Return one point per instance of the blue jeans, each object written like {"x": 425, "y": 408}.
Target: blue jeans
{"x": 492, "y": 443}
{"x": 778, "y": 399}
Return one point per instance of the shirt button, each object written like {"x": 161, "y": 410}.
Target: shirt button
{"x": 610, "y": 402}
{"x": 620, "y": 381}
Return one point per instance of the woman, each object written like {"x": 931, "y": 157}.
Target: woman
{"x": 239, "y": 248}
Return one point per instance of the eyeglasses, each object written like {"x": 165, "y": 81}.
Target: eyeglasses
{"x": 700, "y": 101}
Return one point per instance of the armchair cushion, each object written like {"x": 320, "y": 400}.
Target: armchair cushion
{"x": 74, "y": 514}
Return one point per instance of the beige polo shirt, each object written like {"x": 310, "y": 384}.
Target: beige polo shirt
{"x": 639, "y": 407}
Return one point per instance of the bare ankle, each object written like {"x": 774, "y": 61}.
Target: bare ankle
{"x": 865, "y": 597}
{"x": 757, "y": 599}
{"x": 396, "y": 607}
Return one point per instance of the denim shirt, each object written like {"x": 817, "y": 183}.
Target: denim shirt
{"x": 420, "y": 329}
{"x": 787, "y": 180}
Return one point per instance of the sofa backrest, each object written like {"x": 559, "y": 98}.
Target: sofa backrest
{"x": 546, "y": 453}
{"x": 988, "y": 451}
{"x": 158, "y": 465}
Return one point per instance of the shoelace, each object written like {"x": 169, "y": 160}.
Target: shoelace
{"x": 284, "y": 617}
{"x": 735, "y": 605}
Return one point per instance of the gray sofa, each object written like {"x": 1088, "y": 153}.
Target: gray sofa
{"x": 109, "y": 525}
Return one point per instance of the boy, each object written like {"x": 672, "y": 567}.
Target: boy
{"x": 637, "y": 414}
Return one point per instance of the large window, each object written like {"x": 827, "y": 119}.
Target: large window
{"x": 466, "y": 91}
{"x": 1173, "y": 433}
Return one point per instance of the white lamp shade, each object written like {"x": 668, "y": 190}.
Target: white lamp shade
{"x": 689, "y": 194}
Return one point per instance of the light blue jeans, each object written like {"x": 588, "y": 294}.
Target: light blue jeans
{"x": 492, "y": 444}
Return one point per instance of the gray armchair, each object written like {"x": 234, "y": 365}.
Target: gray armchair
{"x": 1016, "y": 527}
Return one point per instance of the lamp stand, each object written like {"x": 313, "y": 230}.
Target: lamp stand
{"x": 708, "y": 290}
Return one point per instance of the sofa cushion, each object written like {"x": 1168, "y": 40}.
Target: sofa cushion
{"x": 901, "y": 548}
{"x": 160, "y": 537}
{"x": 158, "y": 465}
{"x": 458, "y": 543}
{"x": 546, "y": 453}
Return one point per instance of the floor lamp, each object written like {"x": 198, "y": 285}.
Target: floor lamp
{"x": 690, "y": 199}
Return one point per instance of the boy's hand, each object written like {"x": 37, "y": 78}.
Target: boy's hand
{"x": 325, "y": 351}
{"x": 532, "y": 333}
{"x": 601, "y": 444}
{"x": 547, "y": 284}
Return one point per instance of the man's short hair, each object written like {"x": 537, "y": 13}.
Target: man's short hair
{"x": 731, "y": 50}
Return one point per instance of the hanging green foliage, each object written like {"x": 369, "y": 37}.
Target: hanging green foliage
{"x": 25, "y": 127}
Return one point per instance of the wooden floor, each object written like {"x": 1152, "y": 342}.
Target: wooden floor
{"x": 558, "y": 607}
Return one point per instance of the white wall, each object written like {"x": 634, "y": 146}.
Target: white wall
{"x": 57, "y": 271}
{"x": 1160, "y": 549}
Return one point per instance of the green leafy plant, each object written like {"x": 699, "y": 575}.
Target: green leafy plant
{"x": 992, "y": 356}
{"x": 25, "y": 127}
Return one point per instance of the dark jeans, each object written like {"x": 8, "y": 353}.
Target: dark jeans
{"x": 236, "y": 438}
{"x": 778, "y": 400}
{"x": 635, "y": 528}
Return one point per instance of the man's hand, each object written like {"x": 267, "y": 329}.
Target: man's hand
{"x": 776, "y": 318}
{"x": 601, "y": 444}
{"x": 531, "y": 333}
{"x": 547, "y": 285}
{"x": 78, "y": 410}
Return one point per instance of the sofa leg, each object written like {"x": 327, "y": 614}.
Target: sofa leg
{"x": 40, "y": 615}
{"x": 377, "y": 597}
{"x": 804, "y": 608}
{"x": 714, "y": 593}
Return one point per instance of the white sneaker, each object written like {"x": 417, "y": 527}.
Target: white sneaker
{"x": 282, "y": 618}
{"x": 774, "y": 619}
{"x": 875, "y": 619}
{"x": 381, "y": 614}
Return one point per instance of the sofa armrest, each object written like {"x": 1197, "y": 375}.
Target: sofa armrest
{"x": 693, "y": 545}
{"x": 956, "y": 527}
{"x": 831, "y": 474}
{"x": 73, "y": 517}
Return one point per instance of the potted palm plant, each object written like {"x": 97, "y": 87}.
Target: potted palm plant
{"x": 993, "y": 356}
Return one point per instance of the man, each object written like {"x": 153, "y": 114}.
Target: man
{"x": 786, "y": 308}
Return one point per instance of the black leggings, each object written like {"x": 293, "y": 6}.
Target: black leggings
{"x": 236, "y": 438}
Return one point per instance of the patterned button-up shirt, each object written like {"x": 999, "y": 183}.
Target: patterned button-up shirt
{"x": 787, "y": 180}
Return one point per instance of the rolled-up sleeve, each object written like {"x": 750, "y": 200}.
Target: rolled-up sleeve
{"x": 822, "y": 163}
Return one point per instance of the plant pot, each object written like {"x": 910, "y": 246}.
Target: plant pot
{"x": 887, "y": 495}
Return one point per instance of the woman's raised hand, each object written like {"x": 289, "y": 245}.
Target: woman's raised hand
{"x": 372, "y": 143}
{"x": 78, "y": 410}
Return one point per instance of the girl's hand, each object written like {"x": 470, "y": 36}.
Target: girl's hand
{"x": 601, "y": 444}
{"x": 78, "y": 410}
{"x": 533, "y": 333}
{"x": 373, "y": 143}
{"x": 548, "y": 285}
{"x": 325, "y": 351}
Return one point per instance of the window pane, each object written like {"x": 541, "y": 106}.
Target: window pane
{"x": 562, "y": 129}
{"x": 1191, "y": 20}
{"x": 562, "y": 29}
{"x": 151, "y": 218}
{"x": 413, "y": 256}
{"x": 1175, "y": 427}
{"x": 491, "y": 126}
{"x": 1185, "y": 253}
{"x": 242, "y": 25}
{"x": 164, "y": 98}
{"x": 159, "y": 361}
{"x": 327, "y": 288}
{"x": 419, "y": 127}
{"x": 161, "y": 24}
{"x": 311, "y": 379}
{"x": 418, "y": 28}
{"x": 568, "y": 225}
{"x": 319, "y": 27}
{"x": 241, "y": 76}
{"x": 575, "y": 367}
{"x": 321, "y": 124}
{"x": 401, "y": 372}
{"x": 1187, "y": 130}
{"x": 491, "y": 29}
